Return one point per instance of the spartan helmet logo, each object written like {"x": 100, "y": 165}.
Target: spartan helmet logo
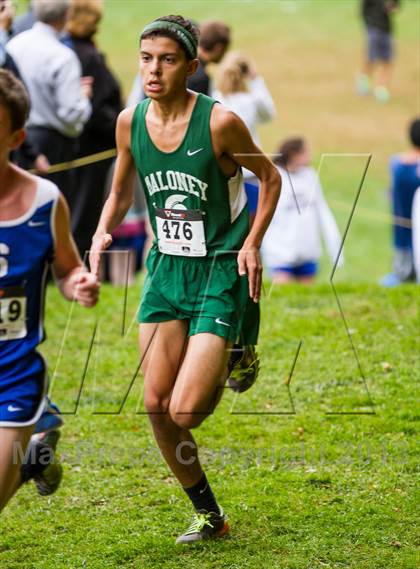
{"x": 175, "y": 202}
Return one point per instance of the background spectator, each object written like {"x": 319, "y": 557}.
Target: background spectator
{"x": 243, "y": 91}
{"x": 415, "y": 222}
{"x": 99, "y": 131}
{"x": 59, "y": 98}
{"x": 136, "y": 94}
{"x": 405, "y": 179}
{"x": 7, "y": 13}
{"x": 376, "y": 16}
{"x": 292, "y": 245}
{"x": 214, "y": 41}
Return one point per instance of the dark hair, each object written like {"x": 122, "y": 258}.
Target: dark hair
{"x": 15, "y": 98}
{"x": 213, "y": 33}
{"x": 287, "y": 149}
{"x": 186, "y": 24}
{"x": 415, "y": 133}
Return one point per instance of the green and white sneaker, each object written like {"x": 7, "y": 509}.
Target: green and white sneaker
{"x": 382, "y": 94}
{"x": 244, "y": 366}
{"x": 363, "y": 85}
{"x": 205, "y": 525}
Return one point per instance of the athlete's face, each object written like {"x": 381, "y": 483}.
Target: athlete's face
{"x": 164, "y": 67}
{"x": 9, "y": 139}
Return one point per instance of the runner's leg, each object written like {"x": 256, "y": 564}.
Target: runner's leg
{"x": 180, "y": 391}
{"x": 162, "y": 347}
{"x": 200, "y": 380}
{"x": 282, "y": 277}
{"x": 13, "y": 444}
{"x": 306, "y": 280}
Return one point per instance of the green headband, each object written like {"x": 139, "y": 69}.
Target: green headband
{"x": 183, "y": 35}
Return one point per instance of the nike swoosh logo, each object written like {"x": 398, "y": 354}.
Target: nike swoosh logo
{"x": 218, "y": 321}
{"x": 204, "y": 489}
{"x": 192, "y": 152}
{"x": 13, "y": 409}
{"x": 35, "y": 223}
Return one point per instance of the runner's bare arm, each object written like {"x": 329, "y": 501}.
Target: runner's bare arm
{"x": 122, "y": 191}
{"x": 232, "y": 142}
{"x": 73, "y": 280}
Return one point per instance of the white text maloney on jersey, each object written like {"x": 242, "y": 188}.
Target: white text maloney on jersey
{"x": 172, "y": 180}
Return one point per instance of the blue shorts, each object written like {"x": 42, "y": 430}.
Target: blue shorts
{"x": 251, "y": 191}
{"x": 308, "y": 269}
{"x": 380, "y": 45}
{"x": 22, "y": 402}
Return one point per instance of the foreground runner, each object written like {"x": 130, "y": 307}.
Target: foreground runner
{"x": 188, "y": 152}
{"x": 34, "y": 233}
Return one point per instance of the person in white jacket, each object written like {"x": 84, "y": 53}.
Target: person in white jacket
{"x": 292, "y": 244}
{"x": 243, "y": 91}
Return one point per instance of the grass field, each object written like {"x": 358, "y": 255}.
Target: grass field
{"x": 306, "y": 485}
{"x": 321, "y": 475}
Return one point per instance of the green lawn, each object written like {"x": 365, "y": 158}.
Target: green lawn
{"x": 306, "y": 482}
{"x": 321, "y": 476}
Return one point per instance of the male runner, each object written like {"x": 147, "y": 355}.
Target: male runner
{"x": 34, "y": 233}
{"x": 204, "y": 261}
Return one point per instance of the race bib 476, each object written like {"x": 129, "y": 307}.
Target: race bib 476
{"x": 181, "y": 232}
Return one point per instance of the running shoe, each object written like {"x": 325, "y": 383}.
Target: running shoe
{"x": 390, "y": 280}
{"x": 382, "y": 94}
{"x": 49, "y": 479}
{"x": 363, "y": 85}
{"x": 243, "y": 366}
{"x": 205, "y": 525}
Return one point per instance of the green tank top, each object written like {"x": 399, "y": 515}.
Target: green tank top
{"x": 195, "y": 209}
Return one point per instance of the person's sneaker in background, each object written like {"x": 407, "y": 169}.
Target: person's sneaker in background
{"x": 382, "y": 94}
{"x": 390, "y": 280}
{"x": 362, "y": 85}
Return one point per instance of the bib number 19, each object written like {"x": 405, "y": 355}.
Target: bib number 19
{"x": 10, "y": 311}
{"x": 13, "y": 303}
